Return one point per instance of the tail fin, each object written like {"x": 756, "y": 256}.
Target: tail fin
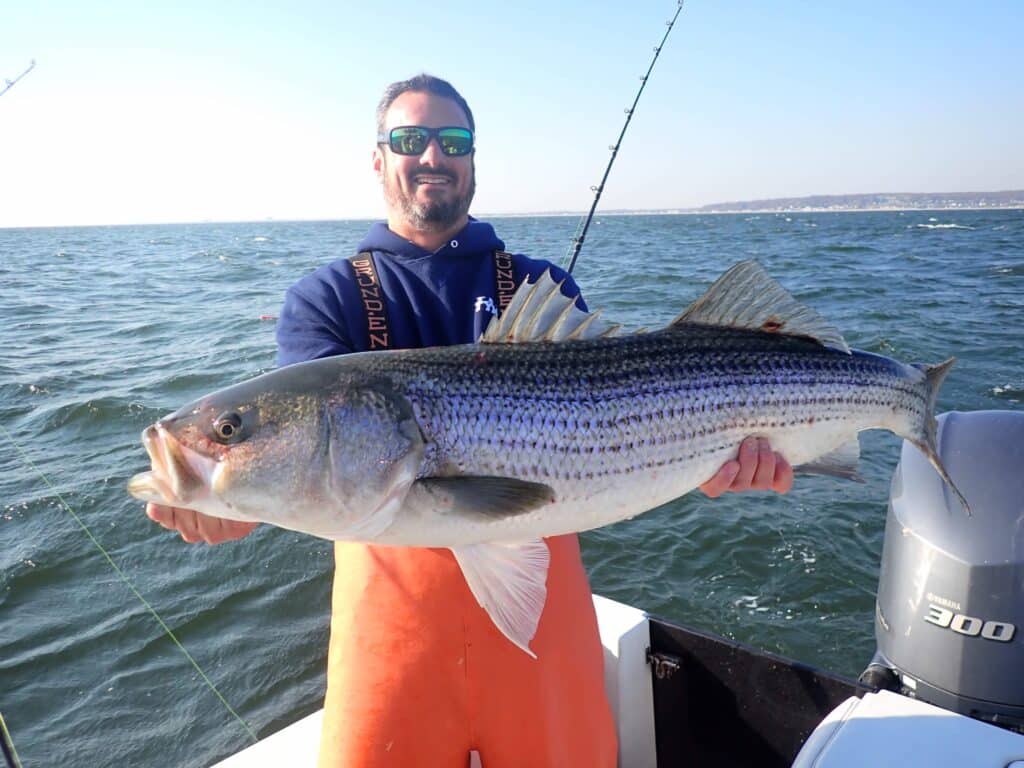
{"x": 934, "y": 375}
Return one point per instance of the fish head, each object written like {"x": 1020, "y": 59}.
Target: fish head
{"x": 326, "y": 456}
{"x": 233, "y": 454}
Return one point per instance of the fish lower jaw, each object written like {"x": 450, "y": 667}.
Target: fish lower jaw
{"x": 150, "y": 487}
{"x": 154, "y": 488}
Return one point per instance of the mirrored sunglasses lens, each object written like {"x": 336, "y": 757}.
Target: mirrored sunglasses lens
{"x": 409, "y": 141}
{"x": 455, "y": 141}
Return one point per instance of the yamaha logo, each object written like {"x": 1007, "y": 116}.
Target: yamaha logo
{"x": 1000, "y": 631}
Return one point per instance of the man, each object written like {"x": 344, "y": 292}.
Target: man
{"x": 417, "y": 673}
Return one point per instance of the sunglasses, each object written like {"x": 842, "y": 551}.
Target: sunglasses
{"x": 413, "y": 140}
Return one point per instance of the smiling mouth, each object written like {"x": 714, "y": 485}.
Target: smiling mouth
{"x": 432, "y": 179}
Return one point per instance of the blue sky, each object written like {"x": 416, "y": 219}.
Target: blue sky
{"x": 242, "y": 111}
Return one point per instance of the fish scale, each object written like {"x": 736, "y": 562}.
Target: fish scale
{"x": 645, "y": 400}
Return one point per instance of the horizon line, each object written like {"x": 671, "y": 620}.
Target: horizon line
{"x": 731, "y": 207}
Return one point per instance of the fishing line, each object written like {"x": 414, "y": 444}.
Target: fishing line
{"x": 128, "y": 583}
{"x": 581, "y": 232}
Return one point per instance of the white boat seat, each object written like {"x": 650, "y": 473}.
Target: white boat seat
{"x": 886, "y": 730}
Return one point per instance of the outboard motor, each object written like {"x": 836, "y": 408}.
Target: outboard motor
{"x": 949, "y": 620}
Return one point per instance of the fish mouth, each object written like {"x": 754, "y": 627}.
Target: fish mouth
{"x": 176, "y": 472}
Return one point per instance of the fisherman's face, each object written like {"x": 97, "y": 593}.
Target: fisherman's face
{"x": 431, "y": 191}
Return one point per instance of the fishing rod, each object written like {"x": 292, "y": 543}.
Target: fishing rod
{"x": 10, "y": 83}
{"x": 581, "y": 232}
{"x": 7, "y": 746}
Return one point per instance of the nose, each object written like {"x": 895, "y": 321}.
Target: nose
{"x": 432, "y": 154}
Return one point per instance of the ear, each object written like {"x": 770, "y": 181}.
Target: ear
{"x": 378, "y": 163}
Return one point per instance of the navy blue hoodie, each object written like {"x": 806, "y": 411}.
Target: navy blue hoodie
{"x": 431, "y": 299}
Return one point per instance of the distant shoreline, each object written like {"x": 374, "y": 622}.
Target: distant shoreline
{"x": 750, "y": 211}
{"x": 902, "y": 202}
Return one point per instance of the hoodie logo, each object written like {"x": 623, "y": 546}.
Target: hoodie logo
{"x": 485, "y": 302}
{"x": 373, "y": 300}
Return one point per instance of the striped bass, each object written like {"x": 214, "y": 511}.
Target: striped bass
{"x": 552, "y": 423}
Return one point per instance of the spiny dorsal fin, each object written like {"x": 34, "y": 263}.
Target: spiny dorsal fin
{"x": 539, "y": 311}
{"x": 748, "y": 297}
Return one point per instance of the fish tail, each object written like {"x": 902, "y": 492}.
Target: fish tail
{"x": 934, "y": 376}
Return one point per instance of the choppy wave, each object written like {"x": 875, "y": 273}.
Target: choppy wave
{"x": 1011, "y": 392}
{"x": 846, "y": 248}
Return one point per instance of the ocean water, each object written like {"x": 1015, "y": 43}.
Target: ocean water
{"x": 103, "y": 330}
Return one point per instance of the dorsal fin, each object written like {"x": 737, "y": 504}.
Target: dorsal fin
{"x": 748, "y": 297}
{"x": 539, "y": 311}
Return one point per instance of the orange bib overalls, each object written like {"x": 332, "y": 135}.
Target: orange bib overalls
{"x": 418, "y": 675}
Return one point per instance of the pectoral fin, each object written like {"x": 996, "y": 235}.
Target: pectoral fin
{"x": 473, "y": 497}
{"x": 509, "y": 581}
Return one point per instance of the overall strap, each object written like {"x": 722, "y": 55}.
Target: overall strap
{"x": 504, "y": 279}
{"x": 377, "y": 329}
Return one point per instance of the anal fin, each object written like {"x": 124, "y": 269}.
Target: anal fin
{"x": 842, "y": 462}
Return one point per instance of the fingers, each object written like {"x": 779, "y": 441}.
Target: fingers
{"x": 195, "y": 526}
{"x": 186, "y": 523}
{"x": 215, "y": 530}
{"x": 210, "y": 529}
{"x": 749, "y": 457}
{"x": 158, "y": 514}
{"x": 174, "y": 519}
{"x": 783, "y": 479}
{"x": 764, "y": 472}
{"x": 756, "y": 468}
{"x": 722, "y": 480}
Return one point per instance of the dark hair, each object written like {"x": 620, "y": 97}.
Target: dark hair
{"x": 422, "y": 83}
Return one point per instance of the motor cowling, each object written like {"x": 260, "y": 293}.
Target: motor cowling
{"x": 949, "y": 618}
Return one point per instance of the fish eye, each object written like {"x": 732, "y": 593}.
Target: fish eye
{"x": 227, "y": 427}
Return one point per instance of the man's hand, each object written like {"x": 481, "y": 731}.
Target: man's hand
{"x": 195, "y": 526}
{"x": 757, "y": 468}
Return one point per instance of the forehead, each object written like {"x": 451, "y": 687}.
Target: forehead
{"x": 415, "y": 108}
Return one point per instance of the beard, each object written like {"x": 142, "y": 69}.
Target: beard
{"x": 434, "y": 215}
